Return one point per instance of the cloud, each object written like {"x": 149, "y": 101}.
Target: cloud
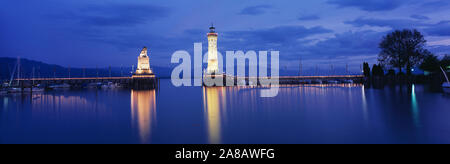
{"x": 370, "y": 5}
{"x": 309, "y": 18}
{"x": 113, "y": 15}
{"x": 393, "y": 23}
{"x": 281, "y": 35}
{"x": 283, "y": 38}
{"x": 112, "y": 24}
{"x": 440, "y": 29}
{"x": 348, "y": 44}
{"x": 255, "y": 10}
{"x": 420, "y": 17}
{"x": 112, "y": 33}
{"x": 345, "y": 48}
{"x": 293, "y": 43}
{"x": 436, "y": 4}
{"x": 439, "y": 49}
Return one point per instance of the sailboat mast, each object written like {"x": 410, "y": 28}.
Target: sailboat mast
{"x": 300, "y": 67}
{"x": 18, "y": 70}
{"x": 12, "y": 75}
{"x": 32, "y": 76}
{"x": 346, "y": 69}
{"x": 445, "y": 74}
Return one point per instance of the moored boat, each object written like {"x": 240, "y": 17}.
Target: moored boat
{"x": 34, "y": 89}
{"x": 316, "y": 81}
{"x": 14, "y": 90}
{"x": 60, "y": 86}
{"x": 348, "y": 81}
{"x": 332, "y": 82}
{"x": 109, "y": 85}
{"x": 94, "y": 85}
{"x": 446, "y": 87}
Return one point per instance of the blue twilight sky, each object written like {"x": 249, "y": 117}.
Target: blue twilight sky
{"x": 86, "y": 33}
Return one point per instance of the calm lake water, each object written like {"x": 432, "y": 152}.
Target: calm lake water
{"x": 186, "y": 115}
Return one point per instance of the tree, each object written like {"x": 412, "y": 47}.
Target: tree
{"x": 366, "y": 69}
{"x": 445, "y": 62}
{"x": 430, "y": 63}
{"x": 377, "y": 70}
{"x": 402, "y": 49}
{"x": 374, "y": 69}
{"x": 391, "y": 72}
{"x": 380, "y": 70}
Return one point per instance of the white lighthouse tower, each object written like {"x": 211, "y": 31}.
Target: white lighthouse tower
{"x": 213, "y": 66}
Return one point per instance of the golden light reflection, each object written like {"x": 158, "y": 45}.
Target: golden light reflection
{"x": 63, "y": 107}
{"x": 248, "y": 97}
{"x": 143, "y": 112}
{"x": 214, "y": 101}
{"x": 218, "y": 102}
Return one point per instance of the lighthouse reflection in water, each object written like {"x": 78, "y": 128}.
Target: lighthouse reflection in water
{"x": 214, "y": 104}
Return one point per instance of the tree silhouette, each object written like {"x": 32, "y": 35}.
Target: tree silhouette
{"x": 430, "y": 64}
{"x": 402, "y": 49}
{"x": 377, "y": 70}
{"x": 366, "y": 69}
{"x": 445, "y": 62}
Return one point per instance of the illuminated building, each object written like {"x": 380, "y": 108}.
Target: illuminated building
{"x": 143, "y": 66}
{"x": 213, "y": 66}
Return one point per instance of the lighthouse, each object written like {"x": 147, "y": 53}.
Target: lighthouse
{"x": 213, "y": 66}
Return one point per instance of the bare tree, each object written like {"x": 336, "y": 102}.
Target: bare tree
{"x": 402, "y": 49}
